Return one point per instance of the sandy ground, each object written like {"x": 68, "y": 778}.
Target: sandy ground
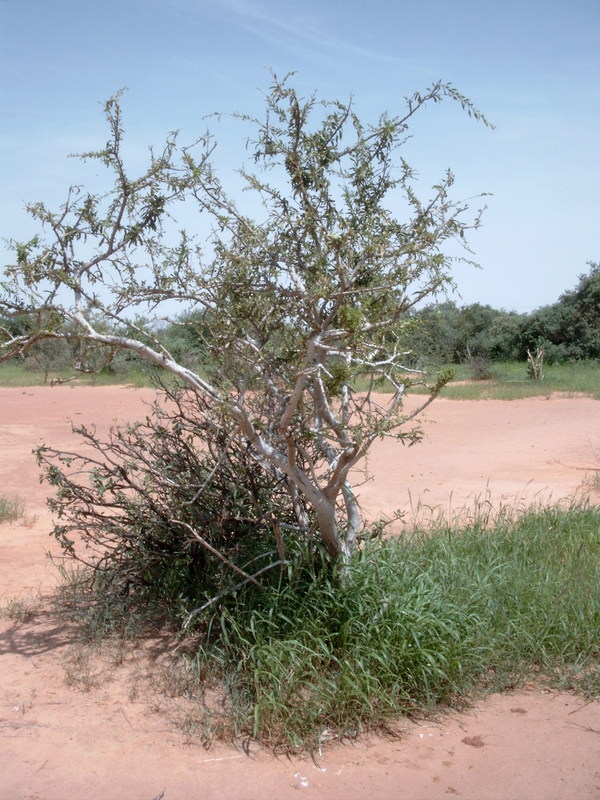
{"x": 68, "y": 733}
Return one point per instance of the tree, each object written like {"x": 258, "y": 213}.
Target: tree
{"x": 297, "y": 308}
{"x": 569, "y": 328}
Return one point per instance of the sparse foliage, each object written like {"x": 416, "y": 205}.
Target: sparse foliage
{"x": 293, "y": 308}
{"x": 163, "y": 505}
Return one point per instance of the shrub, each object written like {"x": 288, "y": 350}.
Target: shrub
{"x": 173, "y": 509}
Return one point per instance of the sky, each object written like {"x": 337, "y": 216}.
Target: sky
{"x": 532, "y": 67}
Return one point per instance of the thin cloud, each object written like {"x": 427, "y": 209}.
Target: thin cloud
{"x": 297, "y": 27}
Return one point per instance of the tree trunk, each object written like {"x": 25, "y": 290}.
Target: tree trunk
{"x": 352, "y": 515}
{"x": 329, "y": 529}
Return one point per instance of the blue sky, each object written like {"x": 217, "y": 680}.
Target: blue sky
{"x": 532, "y": 66}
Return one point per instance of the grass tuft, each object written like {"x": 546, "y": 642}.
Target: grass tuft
{"x": 20, "y": 608}
{"x": 11, "y": 509}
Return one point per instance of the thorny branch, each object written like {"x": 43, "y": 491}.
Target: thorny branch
{"x": 297, "y": 311}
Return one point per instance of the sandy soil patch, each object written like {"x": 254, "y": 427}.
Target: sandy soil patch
{"x": 117, "y": 738}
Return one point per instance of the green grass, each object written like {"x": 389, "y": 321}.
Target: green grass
{"x": 420, "y": 622}
{"x": 13, "y": 374}
{"x": 511, "y": 382}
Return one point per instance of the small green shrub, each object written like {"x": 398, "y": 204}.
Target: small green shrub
{"x": 20, "y": 608}
{"x": 162, "y": 505}
{"x": 11, "y": 509}
{"x": 481, "y": 369}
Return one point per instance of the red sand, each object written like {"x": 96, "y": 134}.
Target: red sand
{"x": 58, "y": 741}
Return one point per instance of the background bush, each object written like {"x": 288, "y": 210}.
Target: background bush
{"x": 444, "y": 333}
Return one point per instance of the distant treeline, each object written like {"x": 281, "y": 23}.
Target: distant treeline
{"x": 569, "y": 329}
{"x": 438, "y": 334}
